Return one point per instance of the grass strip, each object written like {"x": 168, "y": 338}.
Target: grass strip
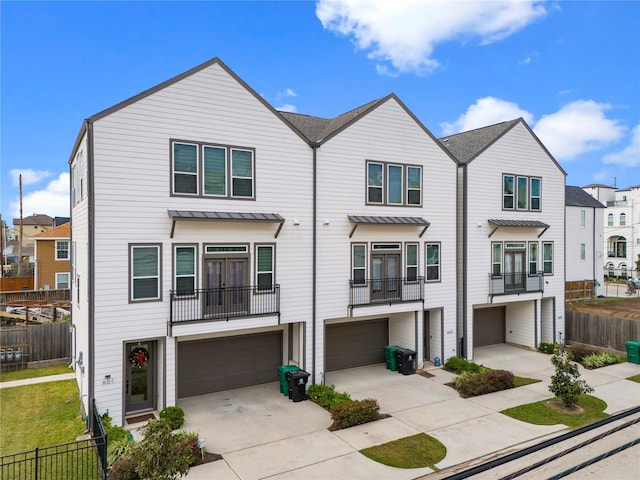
{"x": 540, "y": 413}
{"x": 634, "y": 378}
{"x": 34, "y": 372}
{"x": 417, "y": 451}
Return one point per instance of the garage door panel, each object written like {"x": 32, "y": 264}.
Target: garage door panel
{"x": 355, "y": 344}
{"x": 212, "y": 365}
{"x": 489, "y": 326}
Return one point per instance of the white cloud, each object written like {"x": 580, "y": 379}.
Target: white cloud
{"x": 29, "y": 176}
{"x": 486, "y": 111}
{"x": 630, "y": 156}
{"x": 406, "y": 32}
{"x": 287, "y": 107}
{"x": 577, "y": 128}
{"x": 52, "y": 201}
{"x": 291, "y": 93}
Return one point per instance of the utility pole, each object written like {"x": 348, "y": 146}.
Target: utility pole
{"x": 21, "y": 231}
{"x": 2, "y": 232}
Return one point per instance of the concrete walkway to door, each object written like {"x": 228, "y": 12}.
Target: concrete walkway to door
{"x": 262, "y": 434}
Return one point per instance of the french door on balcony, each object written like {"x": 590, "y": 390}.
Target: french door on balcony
{"x": 385, "y": 273}
{"x": 225, "y": 281}
{"x": 514, "y": 270}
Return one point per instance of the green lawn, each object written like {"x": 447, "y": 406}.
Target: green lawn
{"x": 39, "y": 415}
{"x": 634, "y": 378}
{"x": 416, "y": 451}
{"x": 539, "y": 413}
{"x": 34, "y": 372}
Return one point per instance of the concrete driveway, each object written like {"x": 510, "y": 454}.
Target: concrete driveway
{"x": 261, "y": 433}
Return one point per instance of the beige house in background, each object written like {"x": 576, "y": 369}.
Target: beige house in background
{"x": 32, "y": 226}
{"x": 52, "y": 253}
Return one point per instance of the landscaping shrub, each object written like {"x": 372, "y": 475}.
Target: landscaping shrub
{"x": 473, "y": 384}
{"x": 566, "y": 383}
{"x": 578, "y": 352}
{"x": 124, "y": 469}
{"x": 546, "y": 347}
{"x": 355, "y": 412}
{"x": 173, "y": 415}
{"x": 460, "y": 365}
{"x": 326, "y": 396}
{"x": 600, "y": 359}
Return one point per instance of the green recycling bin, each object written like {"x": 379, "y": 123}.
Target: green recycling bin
{"x": 390, "y": 357}
{"x": 633, "y": 352}
{"x": 282, "y": 376}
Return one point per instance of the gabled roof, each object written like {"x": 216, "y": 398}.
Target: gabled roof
{"x": 63, "y": 231}
{"x": 628, "y": 189}
{"x": 35, "y": 219}
{"x": 318, "y": 129}
{"x": 466, "y": 146}
{"x": 599, "y": 185}
{"x": 577, "y": 197}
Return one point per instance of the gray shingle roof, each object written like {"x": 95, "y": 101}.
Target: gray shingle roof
{"x": 318, "y": 129}
{"x": 35, "y": 219}
{"x": 467, "y": 145}
{"x": 577, "y": 197}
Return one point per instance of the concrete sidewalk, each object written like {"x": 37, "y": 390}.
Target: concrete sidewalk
{"x": 31, "y": 381}
{"x": 261, "y": 433}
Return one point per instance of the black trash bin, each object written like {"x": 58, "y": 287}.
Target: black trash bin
{"x": 297, "y": 380}
{"x": 404, "y": 360}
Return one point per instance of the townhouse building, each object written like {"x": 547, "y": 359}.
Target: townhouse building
{"x": 215, "y": 238}
{"x": 511, "y": 227}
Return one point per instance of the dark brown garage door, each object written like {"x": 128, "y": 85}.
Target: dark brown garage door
{"x": 216, "y": 364}
{"x": 488, "y": 326}
{"x": 355, "y": 344}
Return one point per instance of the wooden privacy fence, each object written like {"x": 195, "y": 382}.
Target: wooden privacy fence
{"x": 600, "y": 330}
{"x": 579, "y": 290}
{"x": 42, "y": 342}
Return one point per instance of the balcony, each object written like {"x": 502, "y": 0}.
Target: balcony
{"x": 518, "y": 282}
{"x": 617, "y": 254}
{"x": 385, "y": 291}
{"x": 223, "y": 304}
{"x": 617, "y": 203}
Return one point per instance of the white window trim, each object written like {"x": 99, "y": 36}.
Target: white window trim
{"x": 68, "y": 282}
{"x": 58, "y": 242}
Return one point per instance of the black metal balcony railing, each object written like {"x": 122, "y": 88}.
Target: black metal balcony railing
{"x": 614, "y": 254}
{"x": 223, "y": 303}
{"x": 372, "y": 291}
{"x": 516, "y": 282}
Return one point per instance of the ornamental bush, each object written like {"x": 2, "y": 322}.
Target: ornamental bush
{"x": 577, "y": 352}
{"x": 355, "y": 412}
{"x": 326, "y": 396}
{"x": 173, "y": 415}
{"x": 546, "y": 347}
{"x": 473, "y": 384}
{"x": 566, "y": 383}
{"x": 600, "y": 359}
{"x": 460, "y": 365}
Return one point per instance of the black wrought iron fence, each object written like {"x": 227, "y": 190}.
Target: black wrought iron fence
{"x": 368, "y": 291}
{"x": 79, "y": 460}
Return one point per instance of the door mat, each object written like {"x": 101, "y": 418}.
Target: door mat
{"x": 140, "y": 418}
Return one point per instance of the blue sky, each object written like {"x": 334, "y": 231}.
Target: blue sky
{"x": 570, "y": 69}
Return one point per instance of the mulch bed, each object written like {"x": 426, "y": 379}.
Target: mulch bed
{"x": 208, "y": 457}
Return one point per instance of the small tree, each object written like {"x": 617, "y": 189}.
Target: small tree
{"x": 566, "y": 384}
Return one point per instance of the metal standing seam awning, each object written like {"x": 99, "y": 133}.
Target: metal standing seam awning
{"x": 518, "y": 224}
{"x": 388, "y": 221}
{"x": 191, "y": 215}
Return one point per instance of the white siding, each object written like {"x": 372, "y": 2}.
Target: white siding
{"x": 520, "y": 323}
{"x": 132, "y": 176}
{"x": 518, "y": 153}
{"x": 386, "y": 134}
{"x": 546, "y": 318}
{"x": 591, "y": 235}
{"x": 402, "y": 330}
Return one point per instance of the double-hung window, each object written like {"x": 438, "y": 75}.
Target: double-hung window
{"x": 212, "y": 170}
{"x": 184, "y": 257}
{"x": 265, "y": 272}
{"x": 394, "y": 184}
{"x": 610, "y": 220}
{"x": 433, "y": 262}
{"x": 533, "y": 258}
{"x": 62, "y": 250}
{"x": 62, "y": 281}
{"x": 144, "y": 268}
{"x": 547, "y": 258}
{"x": 623, "y": 219}
{"x": 411, "y": 262}
{"x": 521, "y": 193}
{"x": 359, "y": 264}
{"x": 496, "y": 259}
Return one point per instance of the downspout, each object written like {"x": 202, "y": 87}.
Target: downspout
{"x": 314, "y": 147}
{"x": 595, "y": 279}
{"x": 90, "y": 270}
